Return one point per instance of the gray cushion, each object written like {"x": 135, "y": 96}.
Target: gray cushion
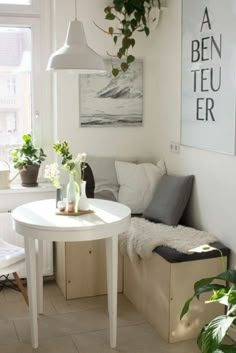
{"x": 170, "y": 199}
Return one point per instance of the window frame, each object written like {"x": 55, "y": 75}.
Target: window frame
{"x": 9, "y": 9}
{"x": 34, "y": 25}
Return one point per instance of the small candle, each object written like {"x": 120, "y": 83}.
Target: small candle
{"x": 61, "y": 205}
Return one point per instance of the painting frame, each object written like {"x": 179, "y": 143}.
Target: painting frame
{"x": 108, "y": 101}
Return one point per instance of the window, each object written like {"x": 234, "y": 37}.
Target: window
{"x": 15, "y": 86}
{"x": 20, "y": 7}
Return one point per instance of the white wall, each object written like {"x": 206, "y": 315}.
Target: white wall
{"x": 131, "y": 142}
{"x": 214, "y": 198}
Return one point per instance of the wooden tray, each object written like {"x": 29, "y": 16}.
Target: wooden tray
{"x": 79, "y": 213}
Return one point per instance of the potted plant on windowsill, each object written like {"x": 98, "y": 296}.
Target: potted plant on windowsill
{"x": 27, "y": 159}
{"x": 210, "y": 339}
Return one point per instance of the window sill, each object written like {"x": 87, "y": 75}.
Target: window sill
{"x": 18, "y": 188}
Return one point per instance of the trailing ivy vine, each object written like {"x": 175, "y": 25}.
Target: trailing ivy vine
{"x": 126, "y": 18}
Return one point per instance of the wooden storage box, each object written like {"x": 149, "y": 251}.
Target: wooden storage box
{"x": 159, "y": 290}
{"x": 81, "y": 268}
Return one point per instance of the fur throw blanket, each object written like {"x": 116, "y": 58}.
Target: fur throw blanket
{"x": 144, "y": 236}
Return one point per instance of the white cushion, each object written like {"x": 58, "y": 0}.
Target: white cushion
{"x": 10, "y": 254}
{"x": 138, "y": 183}
{"x": 104, "y": 173}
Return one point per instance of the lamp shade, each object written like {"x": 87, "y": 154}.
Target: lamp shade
{"x": 75, "y": 53}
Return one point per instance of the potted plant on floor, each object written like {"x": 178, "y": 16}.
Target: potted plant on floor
{"x": 27, "y": 159}
{"x": 210, "y": 339}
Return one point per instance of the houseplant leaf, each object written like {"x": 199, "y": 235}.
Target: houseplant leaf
{"x": 212, "y": 335}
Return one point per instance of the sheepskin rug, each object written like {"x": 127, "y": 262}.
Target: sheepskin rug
{"x": 144, "y": 236}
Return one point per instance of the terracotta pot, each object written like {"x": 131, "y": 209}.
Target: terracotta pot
{"x": 29, "y": 176}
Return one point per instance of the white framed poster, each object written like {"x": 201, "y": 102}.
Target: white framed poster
{"x": 208, "y": 74}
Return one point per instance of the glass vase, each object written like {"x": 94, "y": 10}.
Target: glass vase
{"x": 83, "y": 201}
{"x": 72, "y": 194}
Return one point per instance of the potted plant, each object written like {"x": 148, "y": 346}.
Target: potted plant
{"x": 27, "y": 159}
{"x": 210, "y": 339}
{"x": 127, "y": 17}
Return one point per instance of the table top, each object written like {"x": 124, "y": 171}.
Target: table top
{"x": 39, "y": 220}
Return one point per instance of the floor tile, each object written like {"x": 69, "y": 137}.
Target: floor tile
{"x": 62, "y": 305}
{"x": 132, "y": 339}
{"x": 65, "y": 324}
{"x": 12, "y": 295}
{"x": 56, "y": 345}
{"x": 7, "y": 332}
{"x": 12, "y": 310}
{"x": 51, "y": 290}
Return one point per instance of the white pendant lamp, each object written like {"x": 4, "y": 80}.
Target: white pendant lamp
{"x": 75, "y": 53}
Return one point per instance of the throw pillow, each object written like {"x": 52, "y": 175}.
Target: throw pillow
{"x": 137, "y": 183}
{"x": 104, "y": 173}
{"x": 170, "y": 199}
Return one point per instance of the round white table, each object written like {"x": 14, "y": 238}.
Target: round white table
{"x": 37, "y": 221}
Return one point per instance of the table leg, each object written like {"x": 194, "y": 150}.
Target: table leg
{"x": 40, "y": 276}
{"x": 112, "y": 278}
{"x": 30, "y": 252}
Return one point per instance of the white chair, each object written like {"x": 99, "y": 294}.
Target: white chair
{"x": 10, "y": 257}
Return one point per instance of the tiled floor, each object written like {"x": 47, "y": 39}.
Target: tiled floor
{"x": 78, "y": 326}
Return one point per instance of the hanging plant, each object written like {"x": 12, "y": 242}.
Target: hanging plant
{"x": 126, "y": 18}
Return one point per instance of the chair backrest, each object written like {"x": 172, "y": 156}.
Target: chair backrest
{"x": 10, "y": 254}
{"x": 89, "y": 178}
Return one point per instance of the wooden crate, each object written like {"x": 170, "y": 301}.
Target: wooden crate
{"x": 159, "y": 289}
{"x": 81, "y": 268}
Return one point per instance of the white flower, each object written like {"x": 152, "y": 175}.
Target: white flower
{"x": 53, "y": 174}
{"x": 81, "y": 158}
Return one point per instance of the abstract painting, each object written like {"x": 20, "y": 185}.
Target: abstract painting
{"x": 107, "y": 101}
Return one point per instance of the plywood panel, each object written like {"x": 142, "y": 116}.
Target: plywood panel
{"x": 183, "y": 277}
{"x": 60, "y": 266}
{"x": 84, "y": 272}
{"x": 147, "y": 285}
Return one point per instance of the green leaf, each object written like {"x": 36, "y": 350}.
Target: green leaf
{"x": 127, "y": 32}
{"x": 107, "y": 9}
{"x": 214, "y": 332}
{"x": 118, "y": 5}
{"x": 133, "y": 23}
{"x": 126, "y": 43}
{"x": 137, "y": 16}
{"x": 115, "y": 71}
{"x": 27, "y": 138}
{"x": 115, "y": 38}
{"x": 122, "y": 51}
{"x": 224, "y": 348}
{"x": 144, "y": 20}
{"x": 110, "y": 16}
{"x": 111, "y": 30}
{"x": 218, "y": 294}
{"x": 186, "y": 307}
{"x": 208, "y": 288}
{"x": 130, "y": 59}
{"x": 132, "y": 42}
{"x": 124, "y": 67}
{"x": 229, "y": 276}
{"x": 147, "y": 31}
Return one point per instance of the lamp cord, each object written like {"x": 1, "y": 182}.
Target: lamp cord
{"x": 76, "y": 10}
